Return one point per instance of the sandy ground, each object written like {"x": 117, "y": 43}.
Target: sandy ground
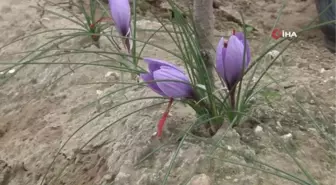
{"x": 39, "y": 110}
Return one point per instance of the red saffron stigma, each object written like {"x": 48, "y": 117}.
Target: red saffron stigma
{"x": 163, "y": 118}
{"x": 233, "y": 32}
{"x": 92, "y": 26}
{"x": 102, "y": 19}
{"x": 225, "y": 44}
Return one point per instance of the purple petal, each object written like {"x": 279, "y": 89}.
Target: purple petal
{"x": 173, "y": 89}
{"x": 147, "y": 77}
{"x": 233, "y": 61}
{"x": 241, "y": 37}
{"x": 121, "y": 14}
{"x": 220, "y": 55}
{"x": 155, "y": 64}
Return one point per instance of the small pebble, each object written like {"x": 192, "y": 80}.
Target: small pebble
{"x": 216, "y": 4}
{"x": 108, "y": 74}
{"x": 273, "y": 54}
{"x": 287, "y": 137}
{"x": 200, "y": 179}
{"x": 45, "y": 19}
{"x": 258, "y": 130}
{"x": 99, "y": 92}
{"x": 254, "y": 79}
{"x": 11, "y": 71}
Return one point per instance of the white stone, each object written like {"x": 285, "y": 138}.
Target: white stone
{"x": 11, "y": 71}
{"x": 287, "y": 137}
{"x": 258, "y": 130}
{"x": 108, "y": 74}
{"x": 99, "y": 92}
{"x": 273, "y": 54}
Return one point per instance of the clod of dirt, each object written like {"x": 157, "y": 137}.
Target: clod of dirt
{"x": 216, "y": 4}
{"x": 3, "y": 129}
{"x": 5, "y": 173}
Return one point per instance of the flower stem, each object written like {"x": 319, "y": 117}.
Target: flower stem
{"x": 163, "y": 118}
{"x": 233, "y": 98}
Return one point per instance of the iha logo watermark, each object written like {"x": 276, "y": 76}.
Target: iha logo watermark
{"x": 277, "y": 33}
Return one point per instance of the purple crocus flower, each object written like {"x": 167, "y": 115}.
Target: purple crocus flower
{"x": 161, "y": 70}
{"x": 229, "y": 58}
{"x": 121, "y": 15}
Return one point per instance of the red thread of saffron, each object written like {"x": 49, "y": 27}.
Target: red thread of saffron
{"x": 225, "y": 42}
{"x": 163, "y": 118}
{"x": 92, "y": 26}
{"x": 102, "y": 19}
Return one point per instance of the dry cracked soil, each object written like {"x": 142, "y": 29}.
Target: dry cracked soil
{"x": 42, "y": 105}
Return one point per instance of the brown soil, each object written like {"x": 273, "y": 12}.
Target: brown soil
{"x": 39, "y": 110}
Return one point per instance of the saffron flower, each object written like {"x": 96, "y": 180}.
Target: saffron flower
{"x": 230, "y": 59}
{"x": 160, "y": 72}
{"x": 121, "y": 15}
